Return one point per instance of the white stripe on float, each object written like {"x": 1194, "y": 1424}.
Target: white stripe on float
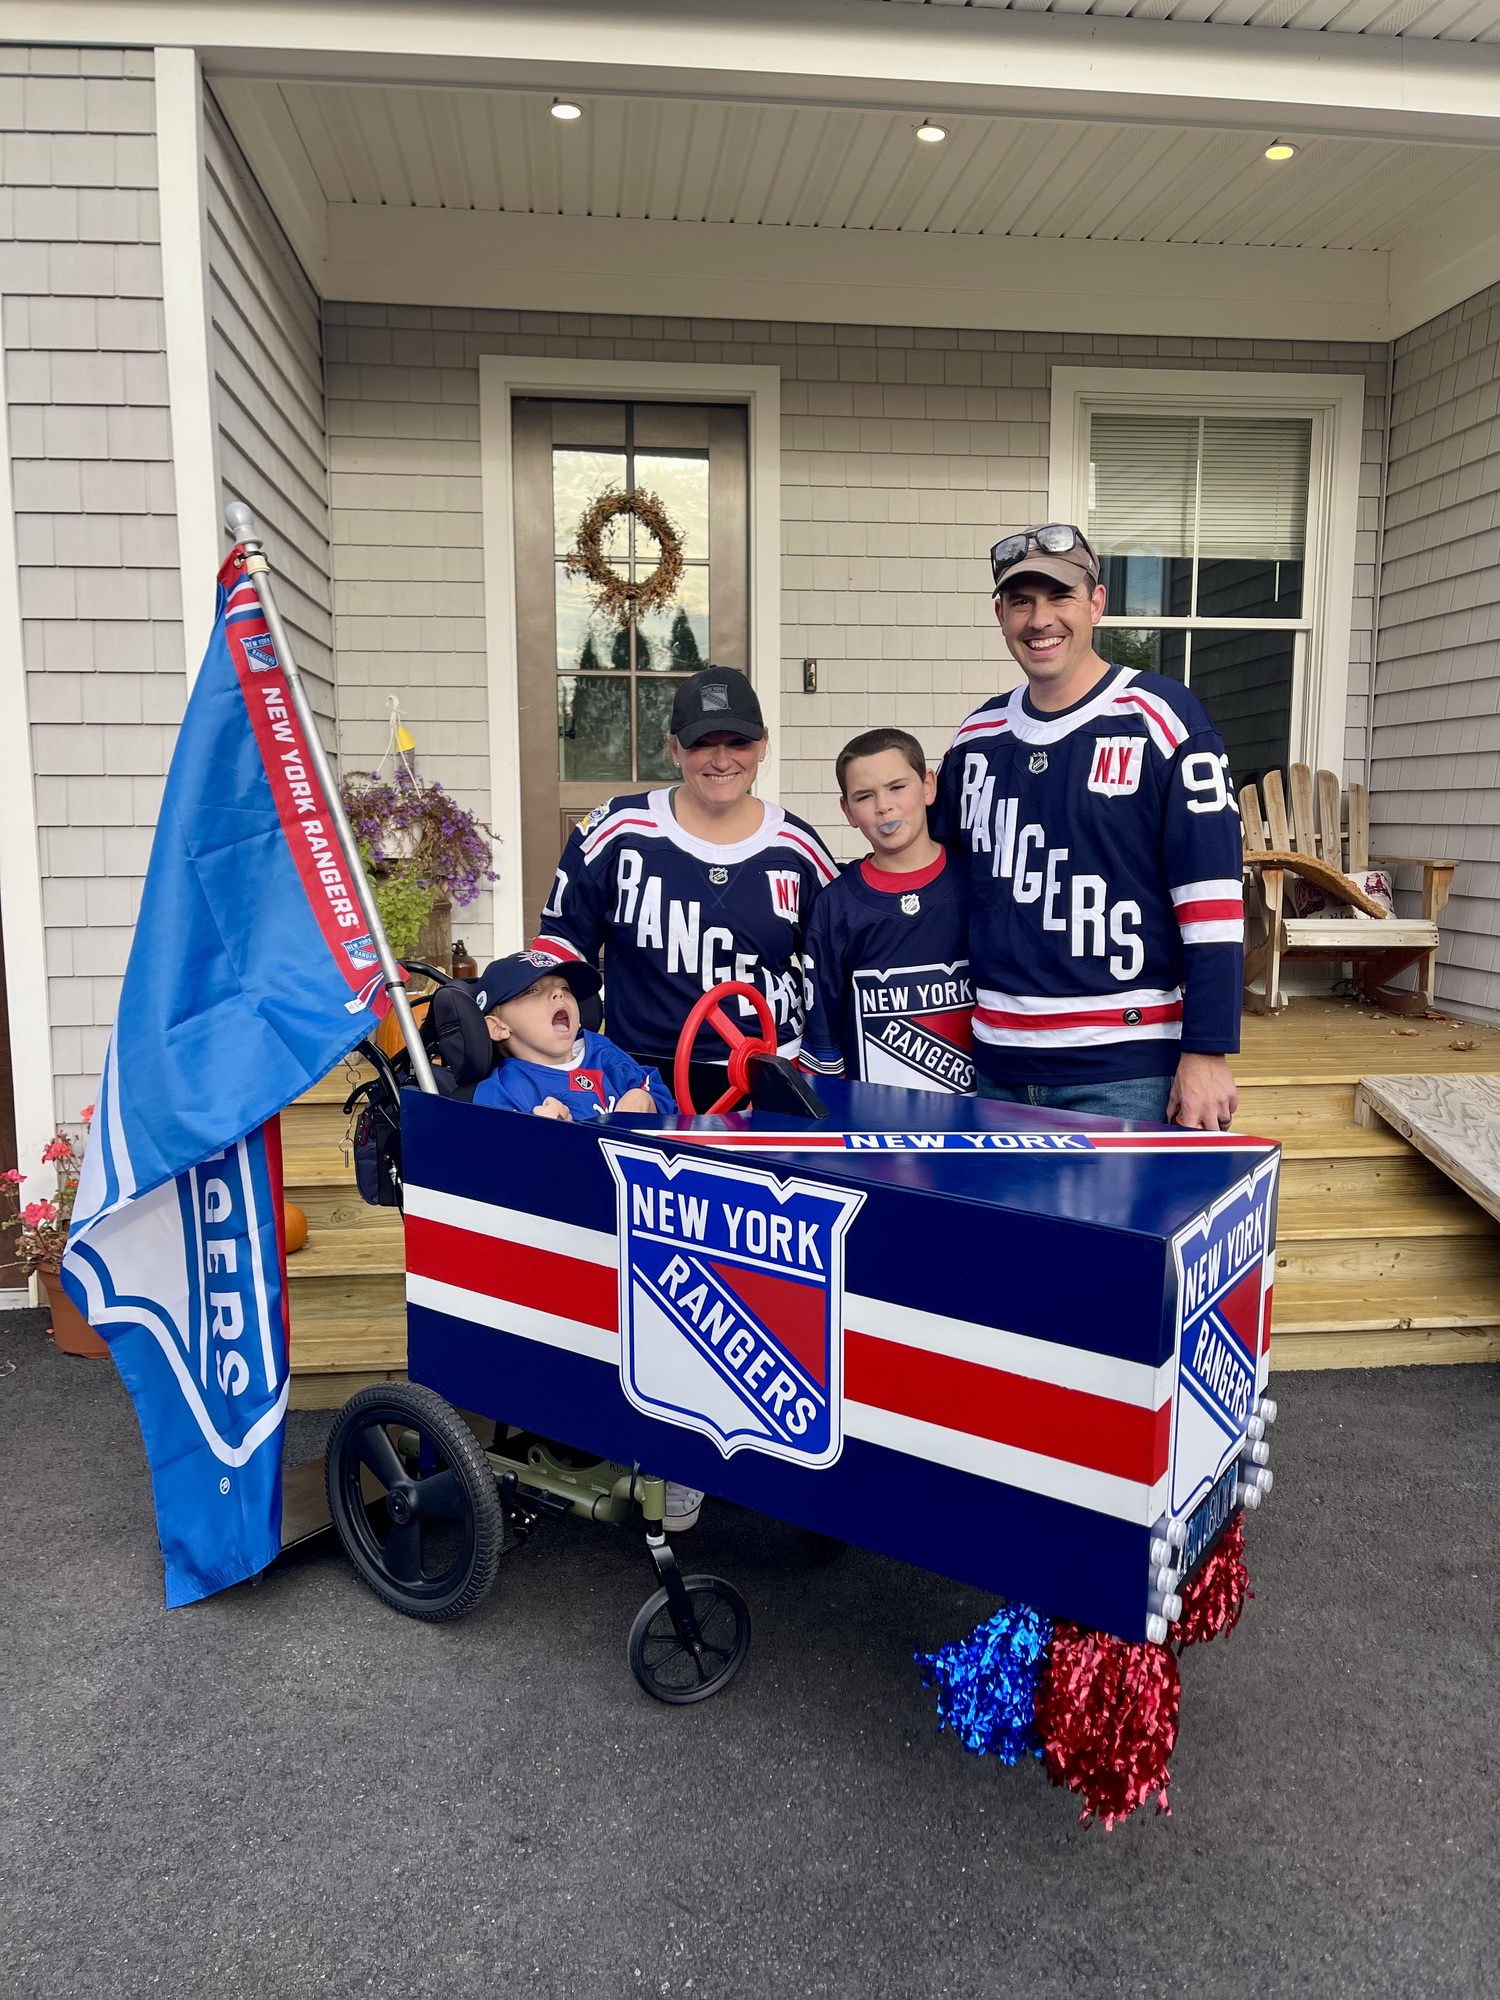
{"x": 1118, "y": 1381}
{"x": 550, "y": 1329}
{"x": 513, "y": 1225}
{"x": 1007, "y": 1464}
{"x": 1064, "y": 1367}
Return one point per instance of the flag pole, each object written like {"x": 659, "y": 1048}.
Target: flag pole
{"x": 240, "y": 522}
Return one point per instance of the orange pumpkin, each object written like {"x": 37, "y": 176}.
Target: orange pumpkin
{"x": 295, "y": 1226}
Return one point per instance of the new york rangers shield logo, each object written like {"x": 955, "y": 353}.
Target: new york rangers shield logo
{"x": 731, "y": 1302}
{"x": 1224, "y": 1264}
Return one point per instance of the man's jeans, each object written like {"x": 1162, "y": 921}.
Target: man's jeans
{"x": 1143, "y": 1098}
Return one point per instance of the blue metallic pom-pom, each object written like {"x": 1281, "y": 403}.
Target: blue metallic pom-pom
{"x": 987, "y": 1683}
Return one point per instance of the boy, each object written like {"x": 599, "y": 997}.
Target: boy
{"x": 530, "y": 1005}
{"x": 887, "y": 949}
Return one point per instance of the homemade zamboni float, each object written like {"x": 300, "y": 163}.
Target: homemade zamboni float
{"x": 1024, "y": 1349}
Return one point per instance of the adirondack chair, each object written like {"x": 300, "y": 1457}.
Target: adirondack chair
{"x": 1297, "y": 831}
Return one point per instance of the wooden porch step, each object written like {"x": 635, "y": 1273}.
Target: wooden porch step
{"x": 1306, "y": 1306}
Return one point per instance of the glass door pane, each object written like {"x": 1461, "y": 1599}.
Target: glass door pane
{"x": 604, "y": 685}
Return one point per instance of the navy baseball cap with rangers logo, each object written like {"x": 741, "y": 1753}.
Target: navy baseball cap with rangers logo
{"x": 505, "y": 978}
{"x": 717, "y": 698}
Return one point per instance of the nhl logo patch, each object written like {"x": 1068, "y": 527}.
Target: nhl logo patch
{"x": 731, "y": 1302}
{"x": 1036, "y": 763}
{"x": 718, "y": 876}
{"x": 911, "y": 903}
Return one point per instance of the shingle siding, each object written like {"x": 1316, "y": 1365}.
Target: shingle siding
{"x": 1435, "y": 762}
{"x": 903, "y": 450}
{"x": 268, "y": 390}
{"x": 96, "y": 532}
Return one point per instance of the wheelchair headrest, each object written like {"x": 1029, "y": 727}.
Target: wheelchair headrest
{"x": 454, "y": 1030}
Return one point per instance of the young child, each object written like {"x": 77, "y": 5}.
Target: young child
{"x": 530, "y": 1005}
{"x": 887, "y": 950}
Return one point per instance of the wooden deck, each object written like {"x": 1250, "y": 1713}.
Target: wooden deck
{"x": 1381, "y": 1260}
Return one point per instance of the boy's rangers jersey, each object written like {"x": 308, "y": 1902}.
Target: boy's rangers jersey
{"x": 675, "y": 915}
{"x": 1103, "y": 849}
{"x": 888, "y": 979}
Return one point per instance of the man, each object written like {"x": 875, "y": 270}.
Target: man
{"x": 1093, "y": 808}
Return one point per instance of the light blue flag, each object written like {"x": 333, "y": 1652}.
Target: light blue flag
{"x": 250, "y": 975}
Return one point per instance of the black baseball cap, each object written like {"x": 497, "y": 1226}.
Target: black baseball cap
{"x": 715, "y": 698}
{"x": 504, "y": 978}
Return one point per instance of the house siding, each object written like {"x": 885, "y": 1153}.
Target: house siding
{"x": 96, "y": 530}
{"x": 268, "y": 396}
{"x": 903, "y": 450}
{"x": 1435, "y": 763}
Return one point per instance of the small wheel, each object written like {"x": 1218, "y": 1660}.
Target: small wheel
{"x": 414, "y": 1501}
{"x": 666, "y": 1666}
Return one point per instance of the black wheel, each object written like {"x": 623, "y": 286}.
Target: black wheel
{"x": 414, "y": 1501}
{"x": 665, "y": 1664}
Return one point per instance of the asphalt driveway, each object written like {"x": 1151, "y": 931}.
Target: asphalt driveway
{"x": 291, "y": 1790}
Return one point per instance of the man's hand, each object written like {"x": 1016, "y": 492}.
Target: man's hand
{"x": 1204, "y": 1096}
{"x": 552, "y": 1107}
{"x": 635, "y": 1100}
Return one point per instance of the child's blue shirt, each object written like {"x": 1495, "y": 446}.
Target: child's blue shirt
{"x": 598, "y": 1076}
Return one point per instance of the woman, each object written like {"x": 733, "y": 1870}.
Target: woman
{"x": 700, "y": 882}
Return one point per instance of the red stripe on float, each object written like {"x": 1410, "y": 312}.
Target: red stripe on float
{"x": 1068, "y": 1424}
{"x": 540, "y": 1279}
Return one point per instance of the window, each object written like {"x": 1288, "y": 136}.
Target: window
{"x": 1224, "y": 507}
{"x": 1202, "y": 521}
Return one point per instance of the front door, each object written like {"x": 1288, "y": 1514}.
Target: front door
{"x": 595, "y": 693}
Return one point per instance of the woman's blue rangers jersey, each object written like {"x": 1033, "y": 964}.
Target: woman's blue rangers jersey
{"x": 887, "y": 961}
{"x": 1103, "y": 847}
{"x": 674, "y": 915}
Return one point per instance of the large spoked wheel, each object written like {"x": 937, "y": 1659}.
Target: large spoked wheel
{"x": 667, "y": 1665}
{"x": 414, "y": 1501}
{"x": 741, "y": 1045}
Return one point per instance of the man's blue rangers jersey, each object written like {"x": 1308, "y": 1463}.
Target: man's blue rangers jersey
{"x": 674, "y": 915}
{"x": 1103, "y": 846}
{"x": 887, "y": 961}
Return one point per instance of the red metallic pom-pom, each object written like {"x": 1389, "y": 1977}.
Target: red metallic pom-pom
{"x": 1214, "y": 1596}
{"x": 1107, "y": 1716}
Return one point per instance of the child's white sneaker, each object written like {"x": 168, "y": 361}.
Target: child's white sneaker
{"x": 684, "y": 1504}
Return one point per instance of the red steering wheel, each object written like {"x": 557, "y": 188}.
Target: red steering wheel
{"x": 741, "y": 1046}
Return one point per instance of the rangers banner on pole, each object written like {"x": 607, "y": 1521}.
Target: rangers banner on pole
{"x": 251, "y": 973}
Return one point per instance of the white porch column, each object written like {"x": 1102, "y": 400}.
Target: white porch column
{"x": 181, "y": 173}
{"x": 20, "y": 861}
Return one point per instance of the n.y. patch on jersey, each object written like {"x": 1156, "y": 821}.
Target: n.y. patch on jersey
{"x": 731, "y": 1302}
{"x": 1118, "y": 762}
{"x": 915, "y": 1027}
{"x": 1224, "y": 1272}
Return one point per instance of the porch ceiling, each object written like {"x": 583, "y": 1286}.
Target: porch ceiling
{"x": 1413, "y": 20}
{"x": 784, "y": 166}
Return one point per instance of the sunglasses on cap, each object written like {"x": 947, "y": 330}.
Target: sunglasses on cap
{"x": 1057, "y": 538}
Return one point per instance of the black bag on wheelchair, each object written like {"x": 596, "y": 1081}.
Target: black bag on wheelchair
{"x": 458, "y": 1042}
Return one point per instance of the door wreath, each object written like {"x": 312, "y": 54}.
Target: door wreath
{"x": 613, "y": 594}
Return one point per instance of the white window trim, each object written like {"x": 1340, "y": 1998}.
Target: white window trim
{"x": 1335, "y": 403}
{"x": 504, "y": 376}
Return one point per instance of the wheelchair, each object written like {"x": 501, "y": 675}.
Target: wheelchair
{"x": 426, "y": 1499}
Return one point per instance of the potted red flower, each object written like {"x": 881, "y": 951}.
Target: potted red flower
{"x": 41, "y": 1230}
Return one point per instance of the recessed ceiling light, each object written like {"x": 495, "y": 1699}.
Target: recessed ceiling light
{"x": 1280, "y": 150}
{"x": 930, "y": 134}
{"x": 562, "y": 109}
